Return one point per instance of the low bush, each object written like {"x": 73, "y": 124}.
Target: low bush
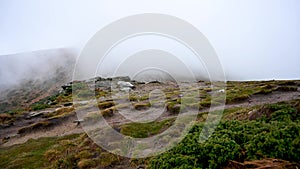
{"x": 276, "y": 136}
{"x": 39, "y": 106}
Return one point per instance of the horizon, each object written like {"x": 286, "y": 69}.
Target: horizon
{"x": 254, "y": 40}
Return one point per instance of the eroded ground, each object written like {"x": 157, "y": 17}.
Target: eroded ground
{"x": 46, "y": 130}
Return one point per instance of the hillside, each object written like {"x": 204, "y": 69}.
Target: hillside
{"x": 28, "y": 77}
{"x": 259, "y": 126}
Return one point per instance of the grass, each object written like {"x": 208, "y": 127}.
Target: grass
{"x": 15, "y": 111}
{"x": 286, "y": 88}
{"x": 141, "y": 106}
{"x": 86, "y": 163}
{"x": 78, "y": 151}
{"x": 95, "y": 116}
{"x": 143, "y": 130}
{"x": 60, "y": 112}
{"x": 173, "y": 107}
{"x": 235, "y": 98}
{"x": 205, "y": 103}
{"x": 5, "y": 118}
{"x": 39, "y": 106}
{"x": 109, "y": 112}
{"x": 35, "y": 126}
{"x": 29, "y": 154}
{"x": 64, "y": 98}
{"x": 107, "y": 159}
{"x": 105, "y": 105}
{"x": 100, "y": 93}
{"x": 242, "y": 91}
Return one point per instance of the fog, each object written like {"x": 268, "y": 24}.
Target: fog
{"x": 39, "y": 66}
{"x": 254, "y": 39}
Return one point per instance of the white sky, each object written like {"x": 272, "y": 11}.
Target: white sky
{"x": 254, "y": 39}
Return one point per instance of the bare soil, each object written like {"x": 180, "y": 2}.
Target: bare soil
{"x": 67, "y": 126}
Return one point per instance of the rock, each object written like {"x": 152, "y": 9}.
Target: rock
{"x": 37, "y": 113}
{"x": 97, "y": 82}
{"x": 49, "y": 102}
{"x": 68, "y": 104}
{"x": 78, "y": 122}
{"x": 137, "y": 82}
{"x": 82, "y": 103}
{"x": 125, "y": 86}
{"x": 221, "y": 91}
{"x": 67, "y": 88}
{"x": 103, "y": 84}
{"x": 122, "y": 78}
{"x": 34, "y": 114}
{"x": 126, "y": 89}
{"x": 155, "y": 81}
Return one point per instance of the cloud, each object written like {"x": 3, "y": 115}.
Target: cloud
{"x": 254, "y": 39}
{"x": 35, "y": 66}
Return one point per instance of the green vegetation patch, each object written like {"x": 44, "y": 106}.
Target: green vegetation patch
{"x": 274, "y": 135}
{"x": 141, "y": 106}
{"x": 29, "y": 154}
{"x": 105, "y": 104}
{"x": 143, "y": 130}
{"x": 39, "y": 106}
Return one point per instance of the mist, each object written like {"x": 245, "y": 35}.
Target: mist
{"x": 254, "y": 39}
{"x": 55, "y": 65}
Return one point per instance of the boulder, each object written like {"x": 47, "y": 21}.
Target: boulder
{"x": 125, "y": 86}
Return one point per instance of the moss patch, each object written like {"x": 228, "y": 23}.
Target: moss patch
{"x": 143, "y": 130}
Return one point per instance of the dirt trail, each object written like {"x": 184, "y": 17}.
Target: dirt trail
{"x": 275, "y": 97}
{"x": 68, "y": 126}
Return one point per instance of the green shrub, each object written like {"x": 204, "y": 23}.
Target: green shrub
{"x": 276, "y": 136}
{"x": 39, "y": 106}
